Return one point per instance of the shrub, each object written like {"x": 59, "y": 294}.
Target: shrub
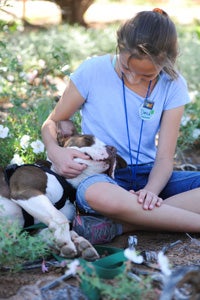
{"x": 18, "y": 247}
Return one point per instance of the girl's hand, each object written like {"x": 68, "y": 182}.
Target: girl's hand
{"x": 148, "y": 199}
{"x": 65, "y": 165}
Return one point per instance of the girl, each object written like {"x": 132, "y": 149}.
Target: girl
{"x": 128, "y": 99}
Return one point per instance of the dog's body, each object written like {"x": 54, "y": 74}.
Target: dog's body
{"x": 40, "y": 192}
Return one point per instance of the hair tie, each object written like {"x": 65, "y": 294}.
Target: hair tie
{"x": 160, "y": 11}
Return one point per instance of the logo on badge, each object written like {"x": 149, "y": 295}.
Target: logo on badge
{"x": 146, "y": 111}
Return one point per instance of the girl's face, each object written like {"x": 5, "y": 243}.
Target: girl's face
{"x": 137, "y": 71}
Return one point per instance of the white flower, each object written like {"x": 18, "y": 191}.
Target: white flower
{"x": 185, "y": 120}
{"x": 17, "y": 160}
{"x": 37, "y": 146}
{"x": 193, "y": 95}
{"x": 65, "y": 68}
{"x": 24, "y": 141}
{"x": 3, "y": 132}
{"x": 164, "y": 264}
{"x": 4, "y": 69}
{"x": 72, "y": 267}
{"x": 42, "y": 63}
{"x": 196, "y": 133}
{"x": 10, "y": 78}
{"x": 131, "y": 254}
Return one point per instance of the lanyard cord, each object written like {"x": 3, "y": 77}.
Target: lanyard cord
{"x": 127, "y": 128}
{"x": 126, "y": 116}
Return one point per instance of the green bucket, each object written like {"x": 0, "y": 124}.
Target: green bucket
{"x": 107, "y": 267}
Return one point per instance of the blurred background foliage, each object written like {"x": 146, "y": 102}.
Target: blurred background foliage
{"x": 35, "y": 62}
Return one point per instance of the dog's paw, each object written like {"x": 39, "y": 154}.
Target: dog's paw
{"x": 58, "y": 246}
{"x": 83, "y": 247}
{"x": 62, "y": 239}
{"x": 67, "y": 251}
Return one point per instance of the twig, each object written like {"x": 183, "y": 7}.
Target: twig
{"x": 194, "y": 241}
{"x": 56, "y": 282}
{"x": 166, "y": 248}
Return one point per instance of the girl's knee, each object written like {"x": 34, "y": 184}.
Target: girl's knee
{"x": 90, "y": 191}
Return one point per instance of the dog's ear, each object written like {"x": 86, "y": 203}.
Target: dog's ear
{"x": 111, "y": 170}
{"x": 65, "y": 129}
{"x": 117, "y": 163}
{"x": 120, "y": 162}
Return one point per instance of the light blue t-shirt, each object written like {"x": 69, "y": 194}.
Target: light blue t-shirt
{"x": 103, "y": 113}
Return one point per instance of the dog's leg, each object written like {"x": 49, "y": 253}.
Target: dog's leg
{"x": 11, "y": 211}
{"x": 83, "y": 246}
{"x": 41, "y": 208}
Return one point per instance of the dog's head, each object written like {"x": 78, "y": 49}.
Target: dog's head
{"x": 65, "y": 129}
{"x": 103, "y": 158}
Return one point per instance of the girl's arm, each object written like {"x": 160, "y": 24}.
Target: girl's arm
{"x": 164, "y": 161}
{"x": 62, "y": 158}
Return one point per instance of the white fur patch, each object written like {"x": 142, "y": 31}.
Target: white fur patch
{"x": 54, "y": 190}
{"x": 41, "y": 208}
{"x": 96, "y": 165}
{"x": 97, "y": 151}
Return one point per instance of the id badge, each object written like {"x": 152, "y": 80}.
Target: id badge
{"x": 146, "y": 111}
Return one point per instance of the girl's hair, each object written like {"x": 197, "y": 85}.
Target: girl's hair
{"x": 152, "y": 34}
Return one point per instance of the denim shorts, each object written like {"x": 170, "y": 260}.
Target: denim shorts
{"x": 135, "y": 178}
{"x": 81, "y": 202}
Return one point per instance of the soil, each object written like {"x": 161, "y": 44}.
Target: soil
{"x": 23, "y": 285}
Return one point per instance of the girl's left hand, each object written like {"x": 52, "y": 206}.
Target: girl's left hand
{"x": 148, "y": 199}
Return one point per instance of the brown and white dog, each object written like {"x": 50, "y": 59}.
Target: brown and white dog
{"x": 39, "y": 193}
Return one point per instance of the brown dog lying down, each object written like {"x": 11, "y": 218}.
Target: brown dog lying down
{"x": 34, "y": 193}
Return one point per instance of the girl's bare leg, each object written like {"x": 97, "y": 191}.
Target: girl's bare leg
{"x": 180, "y": 213}
{"x": 188, "y": 200}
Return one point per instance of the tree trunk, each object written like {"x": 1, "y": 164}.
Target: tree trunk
{"x": 73, "y": 10}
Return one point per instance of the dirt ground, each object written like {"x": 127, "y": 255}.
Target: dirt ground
{"x": 26, "y": 284}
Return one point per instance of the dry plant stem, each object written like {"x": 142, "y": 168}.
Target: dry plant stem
{"x": 180, "y": 213}
{"x": 56, "y": 282}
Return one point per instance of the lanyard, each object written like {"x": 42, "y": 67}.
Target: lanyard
{"x": 134, "y": 170}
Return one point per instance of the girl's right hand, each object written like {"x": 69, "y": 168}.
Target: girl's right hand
{"x": 64, "y": 164}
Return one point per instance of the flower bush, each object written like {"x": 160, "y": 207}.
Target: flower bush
{"x": 20, "y": 139}
{"x": 24, "y": 148}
